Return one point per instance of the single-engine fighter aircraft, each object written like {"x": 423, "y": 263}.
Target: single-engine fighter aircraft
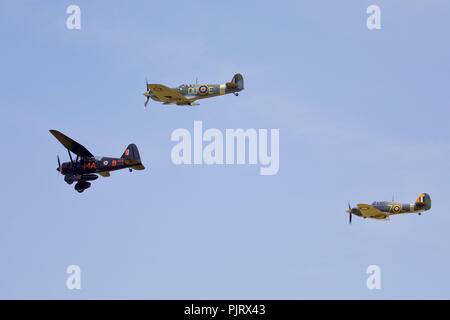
{"x": 186, "y": 95}
{"x": 382, "y": 210}
{"x": 86, "y": 167}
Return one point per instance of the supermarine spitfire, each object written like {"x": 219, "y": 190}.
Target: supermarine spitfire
{"x": 86, "y": 167}
{"x": 186, "y": 95}
{"x": 382, "y": 210}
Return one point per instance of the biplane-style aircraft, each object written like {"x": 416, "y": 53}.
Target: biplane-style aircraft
{"x": 186, "y": 95}
{"x": 382, "y": 210}
{"x": 85, "y": 167}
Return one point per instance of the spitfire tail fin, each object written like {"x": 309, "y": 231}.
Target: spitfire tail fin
{"x": 238, "y": 79}
{"x": 424, "y": 201}
{"x": 132, "y": 157}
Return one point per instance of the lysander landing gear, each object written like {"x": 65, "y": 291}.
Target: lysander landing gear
{"x": 68, "y": 179}
{"x": 82, "y": 185}
{"x": 236, "y": 94}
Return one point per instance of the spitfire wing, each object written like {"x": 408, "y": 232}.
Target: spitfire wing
{"x": 104, "y": 174}
{"x": 369, "y": 211}
{"x": 168, "y": 95}
{"x": 71, "y": 145}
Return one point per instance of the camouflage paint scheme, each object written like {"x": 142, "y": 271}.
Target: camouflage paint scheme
{"x": 188, "y": 94}
{"x": 86, "y": 166}
{"x": 384, "y": 209}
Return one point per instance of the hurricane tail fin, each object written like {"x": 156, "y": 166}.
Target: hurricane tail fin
{"x": 424, "y": 201}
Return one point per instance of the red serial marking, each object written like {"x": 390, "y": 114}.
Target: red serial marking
{"x": 90, "y": 166}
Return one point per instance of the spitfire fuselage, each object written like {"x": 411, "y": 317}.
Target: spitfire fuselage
{"x": 202, "y": 91}
{"x": 187, "y": 95}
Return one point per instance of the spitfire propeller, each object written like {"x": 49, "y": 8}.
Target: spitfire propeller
{"x": 350, "y": 213}
{"x": 146, "y": 94}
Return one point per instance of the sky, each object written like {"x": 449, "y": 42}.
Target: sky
{"x": 362, "y": 115}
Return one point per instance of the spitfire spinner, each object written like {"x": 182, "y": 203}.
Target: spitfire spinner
{"x": 384, "y": 209}
{"x": 188, "y": 94}
{"x": 86, "y": 167}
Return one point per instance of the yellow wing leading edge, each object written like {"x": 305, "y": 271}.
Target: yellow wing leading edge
{"x": 368, "y": 211}
{"x": 168, "y": 95}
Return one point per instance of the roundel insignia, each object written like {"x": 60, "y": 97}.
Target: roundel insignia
{"x": 396, "y": 208}
{"x": 203, "y": 89}
{"x": 105, "y": 162}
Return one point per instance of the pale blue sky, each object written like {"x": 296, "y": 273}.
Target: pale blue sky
{"x": 362, "y": 115}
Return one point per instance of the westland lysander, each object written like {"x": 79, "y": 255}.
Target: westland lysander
{"x": 187, "y": 94}
{"x": 86, "y": 166}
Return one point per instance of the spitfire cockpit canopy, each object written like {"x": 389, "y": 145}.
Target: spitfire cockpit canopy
{"x": 186, "y": 86}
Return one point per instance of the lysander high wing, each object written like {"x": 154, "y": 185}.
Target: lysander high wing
{"x": 168, "y": 95}
{"x": 72, "y": 145}
{"x": 369, "y": 211}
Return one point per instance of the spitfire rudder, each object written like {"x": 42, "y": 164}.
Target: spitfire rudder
{"x": 238, "y": 79}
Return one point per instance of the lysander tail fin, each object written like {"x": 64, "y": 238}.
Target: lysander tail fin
{"x": 424, "y": 201}
{"x": 132, "y": 157}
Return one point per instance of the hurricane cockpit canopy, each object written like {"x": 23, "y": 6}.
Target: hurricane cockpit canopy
{"x": 380, "y": 203}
